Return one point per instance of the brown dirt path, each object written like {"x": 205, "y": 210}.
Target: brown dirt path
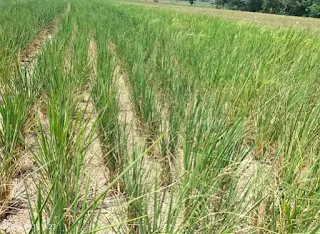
{"x": 153, "y": 164}
{"x": 127, "y": 117}
{"x": 254, "y": 178}
{"x": 17, "y": 219}
{"x": 96, "y": 173}
{"x": 95, "y": 170}
{"x": 136, "y": 141}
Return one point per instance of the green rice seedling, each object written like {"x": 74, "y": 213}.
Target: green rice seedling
{"x": 80, "y": 59}
{"x": 134, "y": 191}
{"x": 146, "y": 110}
{"x": 62, "y": 145}
{"x": 295, "y": 178}
{"x": 13, "y": 113}
{"x": 211, "y": 151}
{"x": 147, "y": 208}
{"x": 61, "y": 158}
{"x": 20, "y": 88}
{"x": 144, "y": 200}
{"x": 48, "y": 67}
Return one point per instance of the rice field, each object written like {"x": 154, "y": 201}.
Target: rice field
{"x": 119, "y": 118}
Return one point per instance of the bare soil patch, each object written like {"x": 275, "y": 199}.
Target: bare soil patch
{"x": 96, "y": 173}
{"x": 24, "y": 185}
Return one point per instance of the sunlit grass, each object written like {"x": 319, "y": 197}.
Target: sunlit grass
{"x": 229, "y": 111}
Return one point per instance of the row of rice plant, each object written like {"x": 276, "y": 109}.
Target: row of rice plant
{"x": 259, "y": 85}
{"x": 17, "y": 99}
{"x": 232, "y": 108}
{"x": 185, "y": 191}
{"x": 62, "y": 147}
{"x": 63, "y": 202}
{"x": 21, "y": 21}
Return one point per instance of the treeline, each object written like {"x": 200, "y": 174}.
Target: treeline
{"x": 287, "y": 7}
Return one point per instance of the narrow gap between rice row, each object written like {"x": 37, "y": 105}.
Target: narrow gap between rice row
{"x": 136, "y": 140}
{"x": 95, "y": 169}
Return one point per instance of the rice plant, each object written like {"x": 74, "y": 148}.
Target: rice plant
{"x": 230, "y": 112}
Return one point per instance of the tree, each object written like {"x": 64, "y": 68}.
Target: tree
{"x": 271, "y": 6}
{"x": 254, "y": 5}
{"x": 221, "y": 2}
{"x": 296, "y": 7}
{"x": 238, "y": 4}
{"x": 314, "y": 10}
{"x": 288, "y": 7}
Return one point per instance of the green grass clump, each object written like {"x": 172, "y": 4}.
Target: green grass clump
{"x": 230, "y": 111}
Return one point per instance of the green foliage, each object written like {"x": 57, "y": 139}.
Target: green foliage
{"x": 237, "y": 119}
{"x": 314, "y": 10}
{"x": 289, "y": 7}
{"x": 271, "y": 6}
{"x": 254, "y": 5}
